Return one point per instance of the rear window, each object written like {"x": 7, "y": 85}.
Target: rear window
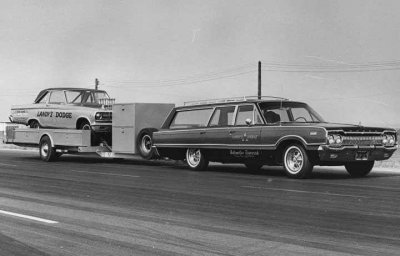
{"x": 195, "y": 118}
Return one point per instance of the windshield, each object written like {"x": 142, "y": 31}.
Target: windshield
{"x": 275, "y": 112}
{"x": 75, "y": 96}
{"x": 100, "y": 95}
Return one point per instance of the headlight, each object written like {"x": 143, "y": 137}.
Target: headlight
{"x": 331, "y": 140}
{"x": 335, "y": 140}
{"x": 105, "y": 116}
{"x": 389, "y": 140}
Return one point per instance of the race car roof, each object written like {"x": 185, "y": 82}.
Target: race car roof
{"x": 42, "y": 92}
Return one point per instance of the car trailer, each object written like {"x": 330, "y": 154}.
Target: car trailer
{"x": 132, "y": 128}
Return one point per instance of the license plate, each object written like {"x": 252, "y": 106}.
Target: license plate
{"x": 362, "y": 155}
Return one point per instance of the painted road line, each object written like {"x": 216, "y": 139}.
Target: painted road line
{"x": 28, "y": 217}
{"x": 107, "y": 173}
{"x": 3, "y": 164}
{"x": 303, "y": 191}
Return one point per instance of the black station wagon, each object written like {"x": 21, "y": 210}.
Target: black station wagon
{"x": 269, "y": 131}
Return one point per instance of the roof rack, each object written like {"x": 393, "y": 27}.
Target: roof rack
{"x": 234, "y": 99}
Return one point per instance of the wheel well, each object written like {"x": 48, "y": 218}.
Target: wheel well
{"x": 45, "y": 135}
{"x": 148, "y": 130}
{"x": 142, "y": 131}
{"x": 31, "y": 120}
{"x": 80, "y": 120}
{"x": 284, "y": 144}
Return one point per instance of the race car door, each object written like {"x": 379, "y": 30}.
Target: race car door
{"x": 56, "y": 102}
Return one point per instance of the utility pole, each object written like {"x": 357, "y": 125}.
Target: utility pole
{"x": 259, "y": 80}
{"x": 96, "y": 84}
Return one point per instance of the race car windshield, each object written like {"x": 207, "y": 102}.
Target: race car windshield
{"x": 100, "y": 95}
{"x": 275, "y": 112}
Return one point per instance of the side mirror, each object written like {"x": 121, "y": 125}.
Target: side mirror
{"x": 248, "y": 121}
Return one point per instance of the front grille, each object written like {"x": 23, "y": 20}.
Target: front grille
{"x": 362, "y": 140}
{"x": 107, "y": 103}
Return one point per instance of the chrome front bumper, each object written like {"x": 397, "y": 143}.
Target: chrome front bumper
{"x": 355, "y": 153}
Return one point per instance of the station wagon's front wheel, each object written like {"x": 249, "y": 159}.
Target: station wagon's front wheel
{"x": 359, "y": 169}
{"x": 296, "y": 162}
{"x": 196, "y": 159}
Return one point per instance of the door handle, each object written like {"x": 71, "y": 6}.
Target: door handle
{"x": 231, "y": 132}
{"x": 202, "y": 132}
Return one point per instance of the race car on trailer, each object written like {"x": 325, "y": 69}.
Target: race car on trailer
{"x": 131, "y": 132}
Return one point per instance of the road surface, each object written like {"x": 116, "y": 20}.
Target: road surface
{"x": 91, "y": 206}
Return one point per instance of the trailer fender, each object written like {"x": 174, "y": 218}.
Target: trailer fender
{"x": 48, "y": 135}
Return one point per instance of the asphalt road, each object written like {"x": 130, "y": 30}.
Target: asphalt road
{"x": 92, "y": 206}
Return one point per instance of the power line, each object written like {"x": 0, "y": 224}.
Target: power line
{"x": 182, "y": 82}
{"x": 192, "y": 77}
{"x": 340, "y": 67}
{"x": 288, "y": 70}
{"x": 339, "y": 64}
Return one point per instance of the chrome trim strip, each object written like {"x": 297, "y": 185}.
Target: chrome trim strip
{"x": 225, "y": 145}
{"x": 229, "y": 127}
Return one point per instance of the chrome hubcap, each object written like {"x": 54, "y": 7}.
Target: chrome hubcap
{"x": 45, "y": 149}
{"x": 193, "y": 157}
{"x": 294, "y": 160}
{"x": 146, "y": 144}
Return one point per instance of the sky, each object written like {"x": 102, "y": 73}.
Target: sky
{"x": 341, "y": 57}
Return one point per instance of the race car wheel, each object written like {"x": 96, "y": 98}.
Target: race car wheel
{"x": 46, "y": 151}
{"x": 144, "y": 143}
{"x": 85, "y": 125}
{"x": 359, "y": 169}
{"x": 296, "y": 162}
{"x": 34, "y": 124}
{"x": 196, "y": 160}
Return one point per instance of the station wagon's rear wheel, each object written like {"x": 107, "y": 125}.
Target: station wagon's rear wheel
{"x": 296, "y": 162}
{"x": 359, "y": 169}
{"x": 46, "y": 151}
{"x": 196, "y": 159}
{"x": 145, "y": 143}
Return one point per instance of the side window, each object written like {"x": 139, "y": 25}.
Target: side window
{"x": 244, "y": 112}
{"x": 57, "y": 97}
{"x": 276, "y": 115}
{"x": 44, "y": 98}
{"x": 87, "y": 97}
{"x": 73, "y": 96}
{"x": 222, "y": 116}
{"x": 191, "y": 119}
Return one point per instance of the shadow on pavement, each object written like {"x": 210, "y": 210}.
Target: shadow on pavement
{"x": 11, "y": 247}
{"x": 324, "y": 172}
